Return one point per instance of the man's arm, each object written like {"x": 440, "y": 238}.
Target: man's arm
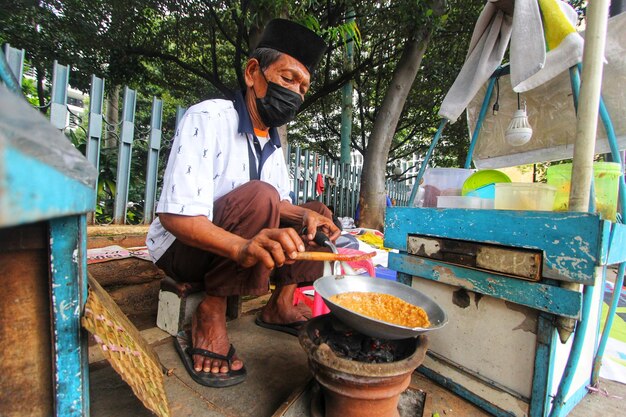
{"x": 272, "y": 247}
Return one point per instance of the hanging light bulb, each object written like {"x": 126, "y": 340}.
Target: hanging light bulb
{"x": 519, "y": 131}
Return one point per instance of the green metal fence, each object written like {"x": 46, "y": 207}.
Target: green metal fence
{"x": 308, "y": 170}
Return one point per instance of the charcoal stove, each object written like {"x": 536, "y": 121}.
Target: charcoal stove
{"x": 359, "y": 375}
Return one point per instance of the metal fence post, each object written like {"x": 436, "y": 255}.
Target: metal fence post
{"x": 336, "y": 175}
{"x": 306, "y": 176}
{"x": 58, "y": 97}
{"x": 15, "y": 60}
{"x": 94, "y": 129}
{"x": 296, "y": 177}
{"x": 180, "y": 112}
{"x": 124, "y": 156}
{"x": 154, "y": 144}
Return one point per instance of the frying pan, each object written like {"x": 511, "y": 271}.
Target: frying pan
{"x": 330, "y": 285}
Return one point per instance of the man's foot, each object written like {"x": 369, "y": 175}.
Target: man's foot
{"x": 280, "y": 308}
{"x": 208, "y": 331}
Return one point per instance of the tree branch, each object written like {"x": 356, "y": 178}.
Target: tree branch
{"x": 228, "y": 93}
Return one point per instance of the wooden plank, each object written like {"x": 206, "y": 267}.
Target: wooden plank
{"x": 571, "y": 242}
{"x": 548, "y": 298}
{"x": 68, "y": 276}
{"x": 543, "y": 370}
{"x": 126, "y": 236}
{"x": 514, "y": 262}
{"x": 25, "y": 366}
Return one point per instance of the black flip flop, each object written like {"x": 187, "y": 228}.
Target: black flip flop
{"x": 182, "y": 342}
{"x": 292, "y": 328}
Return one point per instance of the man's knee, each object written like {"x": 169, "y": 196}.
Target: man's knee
{"x": 319, "y": 207}
{"x": 258, "y": 192}
{"x": 263, "y": 195}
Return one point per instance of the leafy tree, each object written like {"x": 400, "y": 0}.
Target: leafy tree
{"x": 196, "y": 49}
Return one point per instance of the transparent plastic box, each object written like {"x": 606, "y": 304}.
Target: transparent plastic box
{"x": 457, "y": 201}
{"x": 606, "y": 186}
{"x": 524, "y": 196}
{"x": 443, "y": 181}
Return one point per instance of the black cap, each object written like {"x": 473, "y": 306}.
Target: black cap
{"x": 295, "y": 40}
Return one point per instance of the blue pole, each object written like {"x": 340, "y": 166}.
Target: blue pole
{"x": 420, "y": 174}
{"x": 574, "y": 355}
{"x": 597, "y": 363}
{"x": 479, "y": 122}
{"x": 619, "y": 282}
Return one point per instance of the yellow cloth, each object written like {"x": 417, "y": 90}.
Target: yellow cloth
{"x": 556, "y": 25}
{"x": 563, "y": 44}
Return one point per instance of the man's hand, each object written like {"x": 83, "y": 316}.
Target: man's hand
{"x": 313, "y": 221}
{"x": 272, "y": 247}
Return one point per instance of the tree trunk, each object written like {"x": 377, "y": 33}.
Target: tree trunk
{"x": 372, "y": 197}
{"x": 41, "y": 90}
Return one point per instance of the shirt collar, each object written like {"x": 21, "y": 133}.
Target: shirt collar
{"x": 245, "y": 123}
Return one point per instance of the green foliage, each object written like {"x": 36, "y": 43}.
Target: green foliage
{"x": 188, "y": 51}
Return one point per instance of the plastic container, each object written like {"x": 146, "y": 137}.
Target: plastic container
{"x": 605, "y": 182}
{"x": 524, "y": 196}
{"x": 443, "y": 181}
{"x": 458, "y": 201}
{"x": 487, "y": 203}
{"x": 483, "y": 178}
{"x": 386, "y": 273}
{"x": 486, "y": 191}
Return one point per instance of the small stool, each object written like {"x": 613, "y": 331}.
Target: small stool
{"x": 317, "y": 305}
{"x": 175, "y": 309}
{"x": 177, "y": 303}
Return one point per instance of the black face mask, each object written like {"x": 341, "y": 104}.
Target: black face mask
{"x": 279, "y": 105}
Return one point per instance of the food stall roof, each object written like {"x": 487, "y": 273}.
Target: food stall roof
{"x": 551, "y": 112}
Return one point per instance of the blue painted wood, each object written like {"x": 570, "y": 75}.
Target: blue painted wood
{"x": 548, "y": 298}
{"x": 571, "y": 241}
{"x": 617, "y": 244}
{"x": 463, "y": 392}
{"x": 152, "y": 168}
{"x": 124, "y": 156}
{"x": 68, "y": 284}
{"x": 34, "y": 191}
{"x": 403, "y": 278}
{"x": 542, "y": 375}
{"x": 575, "y": 399}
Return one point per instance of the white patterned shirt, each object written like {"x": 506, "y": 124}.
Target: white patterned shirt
{"x": 208, "y": 159}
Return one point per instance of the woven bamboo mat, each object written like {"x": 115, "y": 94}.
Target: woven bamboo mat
{"x": 122, "y": 345}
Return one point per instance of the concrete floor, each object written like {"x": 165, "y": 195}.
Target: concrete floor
{"x": 276, "y": 369}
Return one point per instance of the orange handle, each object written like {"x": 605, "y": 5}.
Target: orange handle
{"x": 328, "y": 256}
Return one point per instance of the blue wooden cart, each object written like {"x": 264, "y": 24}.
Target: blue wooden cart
{"x": 46, "y": 189}
{"x": 501, "y": 349}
